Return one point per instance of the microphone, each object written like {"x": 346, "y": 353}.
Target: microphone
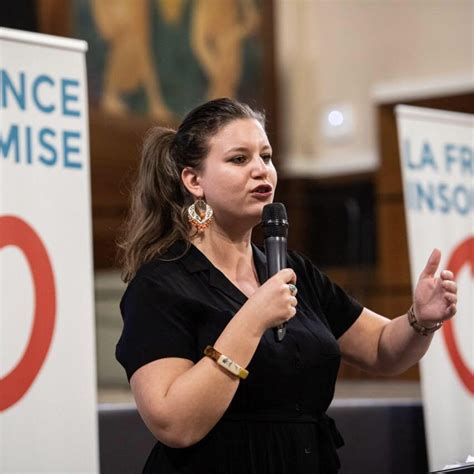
{"x": 275, "y": 233}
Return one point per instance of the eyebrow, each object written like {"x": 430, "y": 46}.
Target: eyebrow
{"x": 244, "y": 148}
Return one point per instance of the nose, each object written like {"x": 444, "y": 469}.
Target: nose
{"x": 259, "y": 168}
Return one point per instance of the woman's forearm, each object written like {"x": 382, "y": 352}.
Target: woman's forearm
{"x": 198, "y": 398}
{"x": 400, "y": 346}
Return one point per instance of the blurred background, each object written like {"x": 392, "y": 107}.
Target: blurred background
{"x": 328, "y": 75}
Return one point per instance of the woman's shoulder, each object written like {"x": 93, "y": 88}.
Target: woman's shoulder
{"x": 162, "y": 272}
{"x": 299, "y": 260}
{"x": 308, "y": 272}
{"x": 161, "y": 266}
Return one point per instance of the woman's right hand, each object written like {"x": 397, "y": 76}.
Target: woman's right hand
{"x": 273, "y": 304}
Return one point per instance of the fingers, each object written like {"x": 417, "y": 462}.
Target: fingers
{"x": 291, "y": 310}
{"x": 451, "y": 289}
{"x": 432, "y": 264}
{"x": 287, "y": 275}
{"x": 447, "y": 275}
{"x": 451, "y": 311}
{"x": 450, "y": 286}
{"x": 291, "y": 313}
{"x": 293, "y": 289}
{"x": 293, "y": 302}
{"x": 451, "y": 299}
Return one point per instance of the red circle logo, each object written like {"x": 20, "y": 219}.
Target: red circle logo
{"x": 15, "y": 231}
{"x": 462, "y": 255}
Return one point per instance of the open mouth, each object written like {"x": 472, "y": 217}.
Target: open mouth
{"x": 262, "y": 189}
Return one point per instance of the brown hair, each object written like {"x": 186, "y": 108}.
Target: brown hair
{"x": 159, "y": 200}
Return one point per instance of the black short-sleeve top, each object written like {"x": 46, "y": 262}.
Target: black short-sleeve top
{"x": 180, "y": 303}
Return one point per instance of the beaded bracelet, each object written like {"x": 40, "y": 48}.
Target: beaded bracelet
{"x": 423, "y": 330}
{"x": 225, "y": 362}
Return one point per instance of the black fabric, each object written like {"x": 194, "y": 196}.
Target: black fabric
{"x": 276, "y": 422}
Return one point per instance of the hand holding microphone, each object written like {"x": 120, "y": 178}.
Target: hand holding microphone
{"x": 275, "y": 233}
{"x": 273, "y": 303}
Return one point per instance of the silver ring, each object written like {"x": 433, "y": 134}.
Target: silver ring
{"x": 293, "y": 289}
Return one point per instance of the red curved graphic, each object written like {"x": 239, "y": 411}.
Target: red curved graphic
{"x": 462, "y": 255}
{"x": 16, "y": 232}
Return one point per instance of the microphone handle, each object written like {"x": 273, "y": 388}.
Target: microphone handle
{"x": 275, "y": 251}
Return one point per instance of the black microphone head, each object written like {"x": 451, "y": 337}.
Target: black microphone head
{"x": 274, "y": 220}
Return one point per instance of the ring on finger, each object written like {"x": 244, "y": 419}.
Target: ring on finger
{"x": 293, "y": 289}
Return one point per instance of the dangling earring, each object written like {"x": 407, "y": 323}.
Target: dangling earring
{"x": 200, "y": 215}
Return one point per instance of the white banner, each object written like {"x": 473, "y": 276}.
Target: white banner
{"x": 438, "y": 179}
{"x": 48, "y": 417}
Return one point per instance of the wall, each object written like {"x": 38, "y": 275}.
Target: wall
{"x": 339, "y": 51}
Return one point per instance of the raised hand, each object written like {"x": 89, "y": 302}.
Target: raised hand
{"x": 273, "y": 303}
{"x": 435, "y": 297}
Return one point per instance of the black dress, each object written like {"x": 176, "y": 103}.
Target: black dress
{"x": 276, "y": 422}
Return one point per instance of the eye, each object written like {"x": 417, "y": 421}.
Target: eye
{"x": 239, "y": 159}
{"x": 266, "y": 157}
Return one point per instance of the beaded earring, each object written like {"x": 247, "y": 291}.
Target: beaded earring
{"x": 200, "y": 215}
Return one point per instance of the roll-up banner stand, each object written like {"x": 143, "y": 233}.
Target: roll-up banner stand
{"x": 48, "y": 420}
{"x": 438, "y": 180}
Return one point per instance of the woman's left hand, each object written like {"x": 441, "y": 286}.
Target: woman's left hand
{"x": 435, "y": 297}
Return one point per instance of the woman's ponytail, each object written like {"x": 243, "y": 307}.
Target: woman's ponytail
{"x": 158, "y": 202}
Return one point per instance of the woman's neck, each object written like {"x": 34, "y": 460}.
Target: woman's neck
{"x": 232, "y": 254}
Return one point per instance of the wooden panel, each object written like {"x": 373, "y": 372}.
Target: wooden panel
{"x": 388, "y": 178}
{"x": 54, "y": 17}
{"x": 389, "y": 301}
{"x": 393, "y": 263}
{"x": 115, "y": 149}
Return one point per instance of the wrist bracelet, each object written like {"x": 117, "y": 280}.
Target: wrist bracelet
{"x": 423, "y": 330}
{"x": 225, "y": 362}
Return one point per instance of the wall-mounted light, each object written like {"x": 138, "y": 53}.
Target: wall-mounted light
{"x": 335, "y": 118}
{"x": 337, "y": 121}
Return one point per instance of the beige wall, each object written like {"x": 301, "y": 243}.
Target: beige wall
{"x": 338, "y": 51}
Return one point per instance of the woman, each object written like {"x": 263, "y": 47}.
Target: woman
{"x": 200, "y": 283}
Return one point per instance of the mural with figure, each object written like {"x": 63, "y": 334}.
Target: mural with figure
{"x": 161, "y": 57}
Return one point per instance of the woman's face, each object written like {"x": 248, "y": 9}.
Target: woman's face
{"x": 238, "y": 177}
